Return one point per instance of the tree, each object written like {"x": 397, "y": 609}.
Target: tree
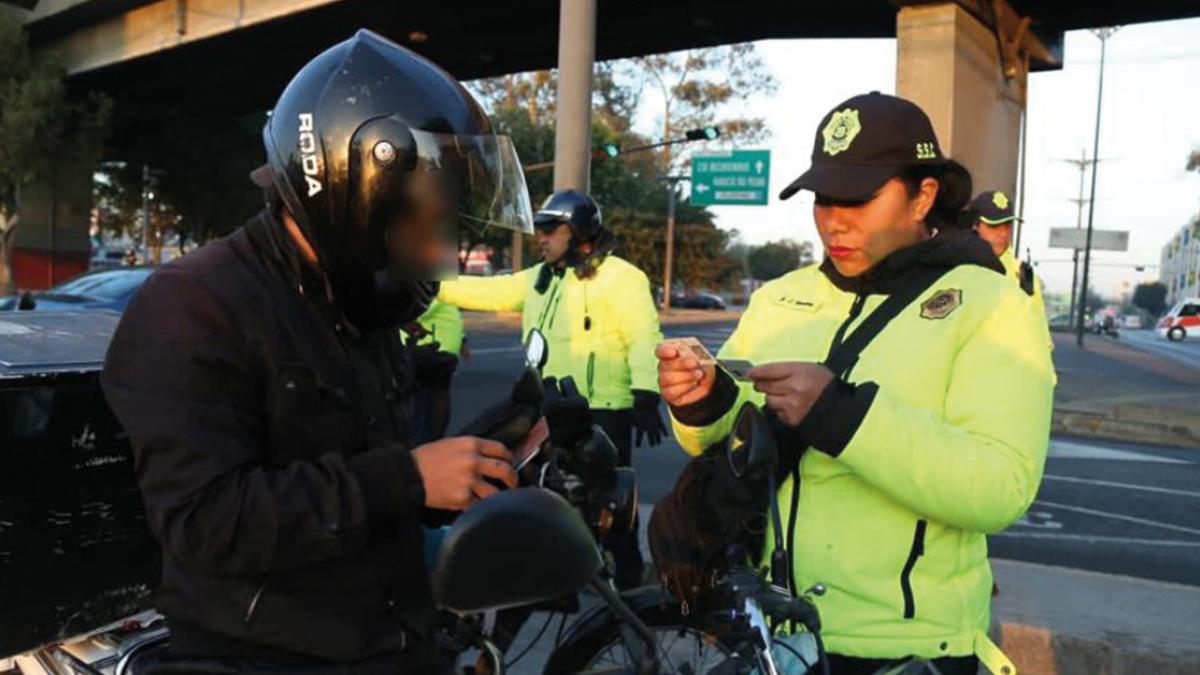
{"x": 633, "y": 199}
{"x": 36, "y": 122}
{"x": 1151, "y": 297}
{"x": 775, "y": 259}
{"x": 696, "y": 84}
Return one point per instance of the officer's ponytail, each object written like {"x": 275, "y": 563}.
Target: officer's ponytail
{"x": 954, "y": 191}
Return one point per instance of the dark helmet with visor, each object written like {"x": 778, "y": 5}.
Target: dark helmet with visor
{"x": 382, "y": 157}
{"x": 574, "y": 208}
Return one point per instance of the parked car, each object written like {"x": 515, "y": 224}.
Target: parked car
{"x": 698, "y": 301}
{"x": 75, "y": 551}
{"x": 1060, "y": 322}
{"x": 98, "y": 289}
{"x": 1183, "y": 320}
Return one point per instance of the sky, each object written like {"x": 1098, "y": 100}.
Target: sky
{"x": 1150, "y": 122}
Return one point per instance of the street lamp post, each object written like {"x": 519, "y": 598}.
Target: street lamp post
{"x": 1103, "y": 34}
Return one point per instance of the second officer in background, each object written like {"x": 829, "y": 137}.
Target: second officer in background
{"x": 598, "y": 316}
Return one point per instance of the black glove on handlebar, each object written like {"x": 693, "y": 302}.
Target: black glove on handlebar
{"x": 648, "y": 424}
{"x": 509, "y": 420}
{"x": 566, "y": 411}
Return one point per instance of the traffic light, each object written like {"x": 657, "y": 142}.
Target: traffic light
{"x": 612, "y": 149}
{"x": 709, "y": 133}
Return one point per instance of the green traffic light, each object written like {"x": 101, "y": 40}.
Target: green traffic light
{"x": 612, "y": 149}
{"x": 711, "y": 133}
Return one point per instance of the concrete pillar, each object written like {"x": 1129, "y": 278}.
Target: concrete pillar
{"x": 949, "y": 63}
{"x": 573, "y": 131}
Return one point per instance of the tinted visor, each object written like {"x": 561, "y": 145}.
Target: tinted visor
{"x": 429, "y": 192}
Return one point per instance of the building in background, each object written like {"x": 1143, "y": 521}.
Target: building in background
{"x": 1181, "y": 263}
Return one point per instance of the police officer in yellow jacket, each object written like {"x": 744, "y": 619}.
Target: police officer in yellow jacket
{"x": 906, "y": 466}
{"x": 599, "y": 319}
{"x": 991, "y": 215}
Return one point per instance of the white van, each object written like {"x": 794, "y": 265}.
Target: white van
{"x": 1182, "y": 321}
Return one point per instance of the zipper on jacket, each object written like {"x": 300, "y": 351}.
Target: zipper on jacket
{"x": 917, "y": 550}
{"x": 840, "y": 336}
{"x": 591, "y": 376}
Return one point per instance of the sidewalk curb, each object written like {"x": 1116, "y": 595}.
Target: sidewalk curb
{"x": 1110, "y": 427}
{"x": 1039, "y": 651}
{"x": 1064, "y": 621}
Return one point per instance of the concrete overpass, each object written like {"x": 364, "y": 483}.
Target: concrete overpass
{"x": 964, "y": 61}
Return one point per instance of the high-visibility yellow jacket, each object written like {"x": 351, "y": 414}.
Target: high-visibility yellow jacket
{"x": 601, "y": 330}
{"x": 445, "y": 325}
{"x": 936, "y": 438}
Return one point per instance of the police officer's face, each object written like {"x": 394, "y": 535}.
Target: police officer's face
{"x": 858, "y": 235}
{"x": 554, "y": 243}
{"x": 999, "y": 236}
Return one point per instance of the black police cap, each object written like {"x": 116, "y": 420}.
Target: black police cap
{"x": 862, "y": 143}
{"x": 992, "y": 207}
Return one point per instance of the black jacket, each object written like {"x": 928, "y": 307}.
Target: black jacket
{"x": 270, "y": 446}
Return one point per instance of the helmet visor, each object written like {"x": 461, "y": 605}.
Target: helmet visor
{"x": 483, "y": 176}
{"x": 456, "y": 190}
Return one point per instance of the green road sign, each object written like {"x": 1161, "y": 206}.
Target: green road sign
{"x": 730, "y": 178}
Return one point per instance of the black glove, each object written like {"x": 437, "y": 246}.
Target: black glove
{"x": 566, "y": 411}
{"x": 433, "y": 367}
{"x": 647, "y": 421}
{"x": 509, "y": 420}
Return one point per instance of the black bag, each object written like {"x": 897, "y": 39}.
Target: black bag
{"x": 692, "y": 530}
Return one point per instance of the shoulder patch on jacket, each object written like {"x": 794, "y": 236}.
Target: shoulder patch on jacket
{"x": 941, "y": 304}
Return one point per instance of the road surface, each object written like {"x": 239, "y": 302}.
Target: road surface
{"x": 1186, "y": 352}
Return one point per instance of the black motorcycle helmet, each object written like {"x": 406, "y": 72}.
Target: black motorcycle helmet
{"x": 374, "y": 150}
{"x": 574, "y": 208}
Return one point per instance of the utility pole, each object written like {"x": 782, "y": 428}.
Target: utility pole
{"x": 669, "y": 258}
{"x": 1103, "y": 34}
{"x": 1082, "y": 164}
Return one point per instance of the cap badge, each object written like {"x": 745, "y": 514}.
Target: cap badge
{"x": 839, "y": 133}
{"x": 1000, "y": 199}
{"x": 941, "y": 304}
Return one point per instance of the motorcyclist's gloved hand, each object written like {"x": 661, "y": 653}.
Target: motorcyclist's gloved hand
{"x": 566, "y": 411}
{"x": 433, "y": 366}
{"x": 648, "y": 423}
{"x": 509, "y": 420}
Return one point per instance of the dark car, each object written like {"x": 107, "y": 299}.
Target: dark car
{"x": 99, "y": 289}
{"x": 75, "y": 551}
{"x": 698, "y": 301}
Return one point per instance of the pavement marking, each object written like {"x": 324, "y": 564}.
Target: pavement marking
{"x": 1118, "y": 516}
{"x": 1072, "y": 450}
{"x": 1097, "y": 539}
{"x": 1127, "y": 486}
{"x": 496, "y": 350}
